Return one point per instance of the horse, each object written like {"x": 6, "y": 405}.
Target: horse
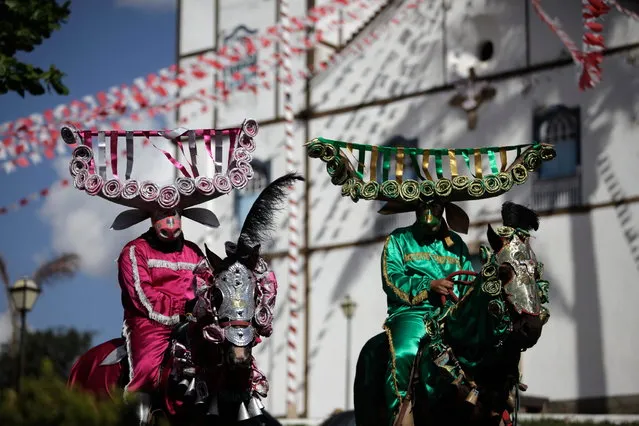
{"x": 207, "y": 375}
{"x": 475, "y": 342}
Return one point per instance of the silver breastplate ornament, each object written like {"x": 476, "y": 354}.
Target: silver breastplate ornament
{"x": 522, "y": 290}
{"x": 237, "y": 285}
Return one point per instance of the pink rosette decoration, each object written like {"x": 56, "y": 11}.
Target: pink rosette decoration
{"x": 77, "y": 165}
{"x": 241, "y": 154}
{"x": 83, "y": 152}
{"x": 185, "y": 186}
{"x": 112, "y": 188}
{"x": 93, "y": 184}
{"x": 237, "y": 178}
{"x": 204, "y": 185}
{"x": 250, "y": 127}
{"x": 149, "y": 191}
{"x": 246, "y": 168}
{"x": 246, "y": 142}
{"x": 168, "y": 197}
{"x": 213, "y": 333}
{"x": 222, "y": 184}
{"x": 130, "y": 190}
{"x": 264, "y": 320}
{"x": 80, "y": 179}
{"x": 259, "y": 384}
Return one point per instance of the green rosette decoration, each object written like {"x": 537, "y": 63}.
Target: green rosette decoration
{"x": 427, "y": 188}
{"x": 491, "y": 287}
{"x": 505, "y": 181}
{"x": 532, "y": 160}
{"x": 547, "y": 153}
{"x": 335, "y": 167}
{"x": 460, "y": 182}
{"x": 370, "y": 190}
{"x": 544, "y": 287}
{"x": 346, "y": 187}
{"x": 496, "y": 308}
{"x": 329, "y": 152}
{"x": 476, "y": 188}
{"x": 315, "y": 149}
{"x": 519, "y": 173}
{"x": 488, "y": 271}
{"x": 443, "y": 188}
{"x": 492, "y": 184}
{"x": 390, "y": 189}
{"x": 409, "y": 190}
{"x": 505, "y": 231}
{"x": 486, "y": 254}
{"x": 356, "y": 190}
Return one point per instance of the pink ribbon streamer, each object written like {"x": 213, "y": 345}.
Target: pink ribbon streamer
{"x": 114, "y": 154}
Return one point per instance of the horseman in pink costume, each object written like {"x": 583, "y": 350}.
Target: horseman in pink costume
{"x": 160, "y": 273}
{"x": 155, "y": 272}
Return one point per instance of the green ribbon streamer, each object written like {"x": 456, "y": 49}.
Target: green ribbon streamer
{"x": 438, "y": 164}
{"x": 386, "y": 164}
{"x": 493, "y": 162}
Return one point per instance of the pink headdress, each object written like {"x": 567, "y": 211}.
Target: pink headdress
{"x": 97, "y": 174}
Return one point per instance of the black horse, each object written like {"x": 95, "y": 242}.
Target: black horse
{"x": 476, "y": 342}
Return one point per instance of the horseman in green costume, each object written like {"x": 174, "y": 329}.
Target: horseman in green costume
{"x": 415, "y": 263}
{"x": 419, "y": 261}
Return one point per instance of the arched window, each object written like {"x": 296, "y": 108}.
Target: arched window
{"x": 244, "y": 198}
{"x": 561, "y": 127}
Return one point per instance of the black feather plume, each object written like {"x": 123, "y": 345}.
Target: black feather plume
{"x": 260, "y": 220}
{"x": 518, "y": 216}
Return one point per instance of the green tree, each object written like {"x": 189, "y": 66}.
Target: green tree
{"x": 65, "y": 265}
{"x": 46, "y": 401}
{"x": 59, "y": 346}
{"x": 25, "y": 24}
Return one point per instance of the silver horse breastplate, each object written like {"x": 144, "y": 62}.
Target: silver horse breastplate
{"x": 237, "y": 285}
{"x": 522, "y": 291}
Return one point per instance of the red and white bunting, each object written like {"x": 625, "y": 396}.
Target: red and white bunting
{"x": 590, "y": 56}
{"x": 33, "y": 197}
{"x": 154, "y": 88}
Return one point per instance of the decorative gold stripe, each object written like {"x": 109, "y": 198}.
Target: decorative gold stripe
{"x": 404, "y": 296}
{"x": 373, "y": 167}
{"x": 478, "y": 167}
{"x": 399, "y": 165}
{"x": 391, "y": 347}
{"x": 425, "y": 158}
{"x": 504, "y": 158}
{"x": 453, "y": 162}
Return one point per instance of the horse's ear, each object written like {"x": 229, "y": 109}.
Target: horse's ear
{"x": 254, "y": 256}
{"x": 494, "y": 240}
{"x": 214, "y": 260}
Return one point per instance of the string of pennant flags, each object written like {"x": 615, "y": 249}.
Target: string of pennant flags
{"x": 46, "y": 134}
{"x": 144, "y": 91}
{"x": 590, "y": 56}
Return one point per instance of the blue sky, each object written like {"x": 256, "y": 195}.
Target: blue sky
{"x": 104, "y": 43}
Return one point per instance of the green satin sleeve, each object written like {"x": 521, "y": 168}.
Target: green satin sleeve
{"x": 401, "y": 288}
{"x": 466, "y": 265}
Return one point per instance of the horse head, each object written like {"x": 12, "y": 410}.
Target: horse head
{"x": 516, "y": 267}
{"x": 242, "y": 310}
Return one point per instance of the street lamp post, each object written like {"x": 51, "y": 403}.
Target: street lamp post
{"x": 348, "y": 307}
{"x": 24, "y": 294}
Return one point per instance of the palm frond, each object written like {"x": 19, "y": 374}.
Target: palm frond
{"x": 4, "y": 274}
{"x": 65, "y": 265}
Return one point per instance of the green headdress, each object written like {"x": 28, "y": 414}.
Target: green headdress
{"x": 377, "y": 173}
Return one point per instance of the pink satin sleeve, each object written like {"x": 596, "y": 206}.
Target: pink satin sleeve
{"x": 137, "y": 289}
